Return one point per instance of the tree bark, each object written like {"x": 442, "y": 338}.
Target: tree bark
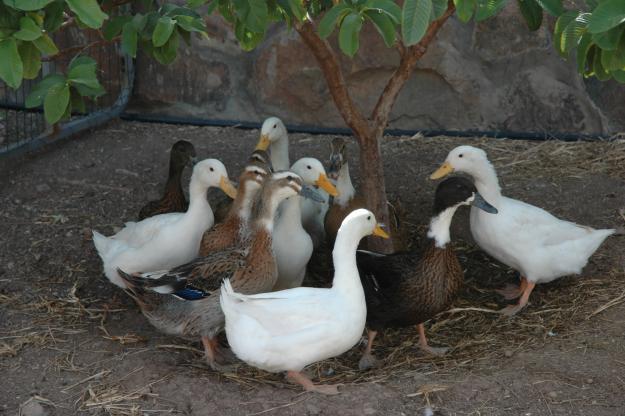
{"x": 370, "y": 132}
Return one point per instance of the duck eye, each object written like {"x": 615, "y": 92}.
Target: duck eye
{"x": 289, "y": 178}
{"x": 275, "y": 126}
{"x": 460, "y": 155}
{"x": 308, "y": 167}
{"x": 212, "y": 169}
{"x": 369, "y": 218}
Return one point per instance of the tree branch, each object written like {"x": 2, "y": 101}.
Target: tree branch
{"x": 409, "y": 59}
{"x": 329, "y": 64}
{"x": 78, "y": 49}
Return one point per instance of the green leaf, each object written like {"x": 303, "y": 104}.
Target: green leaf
{"x": 561, "y": 23}
{"x": 608, "y": 40}
{"x": 383, "y": 24}
{"x": 53, "y": 16}
{"x": 438, "y": 9}
{"x": 166, "y": 54}
{"x": 114, "y": 26}
{"x": 38, "y": 93}
{"x": 613, "y": 60}
{"x": 297, "y": 8}
{"x": 389, "y": 7}
{"x": 553, "y": 7}
{"x": 582, "y": 52}
{"x": 29, "y": 30}
{"x": 27, "y": 5}
{"x": 88, "y": 11}
{"x": 248, "y": 40}
{"x": 532, "y": 12}
{"x": 31, "y": 59}
{"x": 573, "y": 32}
{"x": 82, "y": 70}
{"x": 331, "y": 18}
{"x": 415, "y": 20}
{"x": 139, "y": 21}
{"x": 349, "y": 34}
{"x": 608, "y": 14}
{"x": 129, "y": 39}
{"x": 163, "y": 30}
{"x": 11, "y": 68}
{"x": 191, "y": 24}
{"x": 55, "y": 103}
{"x": 465, "y": 9}
{"x": 211, "y": 7}
{"x": 258, "y": 16}
{"x": 619, "y": 76}
{"x": 488, "y": 8}
{"x": 599, "y": 70}
{"x": 46, "y": 45}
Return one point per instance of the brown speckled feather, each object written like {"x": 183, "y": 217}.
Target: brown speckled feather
{"x": 402, "y": 289}
{"x": 222, "y": 236}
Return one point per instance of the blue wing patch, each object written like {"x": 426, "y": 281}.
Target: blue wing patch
{"x": 190, "y": 293}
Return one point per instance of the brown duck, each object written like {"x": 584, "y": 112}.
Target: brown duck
{"x": 234, "y": 229}
{"x": 185, "y": 300}
{"x": 173, "y": 200}
{"x": 347, "y": 201}
{"x": 402, "y": 289}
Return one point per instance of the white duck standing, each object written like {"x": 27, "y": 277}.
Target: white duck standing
{"x": 290, "y": 329}
{"x": 292, "y": 245}
{"x": 274, "y": 138}
{"x": 538, "y": 245}
{"x": 167, "y": 240}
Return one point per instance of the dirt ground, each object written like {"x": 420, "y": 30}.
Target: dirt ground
{"x": 71, "y": 343}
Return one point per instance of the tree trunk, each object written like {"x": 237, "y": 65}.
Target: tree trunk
{"x": 373, "y": 187}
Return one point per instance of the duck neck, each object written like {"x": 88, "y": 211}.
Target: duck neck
{"x": 346, "y": 275}
{"x": 439, "y": 227}
{"x": 197, "y": 197}
{"x": 175, "y": 175}
{"x": 279, "y": 154}
{"x": 265, "y": 217}
{"x": 242, "y": 203}
{"x": 344, "y": 186}
{"x": 290, "y": 214}
{"x": 487, "y": 183}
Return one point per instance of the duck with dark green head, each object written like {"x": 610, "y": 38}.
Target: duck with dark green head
{"x": 405, "y": 289}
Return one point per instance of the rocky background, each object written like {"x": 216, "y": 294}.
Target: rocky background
{"x": 496, "y": 75}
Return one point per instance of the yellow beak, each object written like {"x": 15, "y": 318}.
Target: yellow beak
{"x": 227, "y": 187}
{"x": 380, "y": 232}
{"x": 324, "y": 183}
{"x": 263, "y": 143}
{"x": 443, "y": 171}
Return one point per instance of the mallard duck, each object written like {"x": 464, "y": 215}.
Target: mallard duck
{"x": 165, "y": 240}
{"x": 184, "y": 301}
{"x": 290, "y": 329}
{"x": 538, "y": 245}
{"x": 235, "y": 227}
{"x": 292, "y": 245}
{"x": 404, "y": 289}
{"x": 273, "y": 137}
{"x": 182, "y": 153}
{"x": 222, "y": 203}
{"x": 347, "y": 200}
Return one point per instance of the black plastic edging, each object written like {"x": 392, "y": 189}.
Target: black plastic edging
{"x": 502, "y": 134}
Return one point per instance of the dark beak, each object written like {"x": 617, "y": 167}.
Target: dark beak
{"x": 482, "y": 204}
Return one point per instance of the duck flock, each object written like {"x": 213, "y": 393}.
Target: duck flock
{"x": 194, "y": 271}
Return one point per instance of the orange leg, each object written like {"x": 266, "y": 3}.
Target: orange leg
{"x": 423, "y": 343}
{"x": 308, "y": 385}
{"x": 513, "y": 292}
{"x": 368, "y": 360}
{"x": 213, "y": 354}
{"x": 514, "y": 309}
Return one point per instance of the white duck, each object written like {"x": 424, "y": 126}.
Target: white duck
{"x": 292, "y": 245}
{"x": 538, "y": 245}
{"x": 167, "y": 240}
{"x": 290, "y": 329}
{"x": 274, "y": 138}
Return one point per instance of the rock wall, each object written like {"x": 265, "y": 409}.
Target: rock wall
{"x": 495, "y": 75}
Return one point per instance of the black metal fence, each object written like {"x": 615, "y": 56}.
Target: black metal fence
{"x": 22, "y": 128}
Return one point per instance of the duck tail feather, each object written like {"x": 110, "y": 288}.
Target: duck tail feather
{"x": 101, "y": 243}
{"x": 162, "y": 283}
